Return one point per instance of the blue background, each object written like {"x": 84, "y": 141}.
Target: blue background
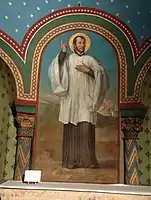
{"x": 100, "y": 49}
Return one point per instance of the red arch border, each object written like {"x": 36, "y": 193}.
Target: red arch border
{"x": 21, "y": 49}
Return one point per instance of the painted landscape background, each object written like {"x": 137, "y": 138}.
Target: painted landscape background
{"x": 50, "y": 131}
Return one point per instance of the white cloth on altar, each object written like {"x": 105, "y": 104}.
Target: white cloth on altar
{"x": 81, "y": 95}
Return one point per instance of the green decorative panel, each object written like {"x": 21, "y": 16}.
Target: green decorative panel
{"x": 145, "y": 136}
{"x": 7, "y": 129}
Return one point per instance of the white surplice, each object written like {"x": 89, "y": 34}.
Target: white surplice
{"x": 81, "y": 95}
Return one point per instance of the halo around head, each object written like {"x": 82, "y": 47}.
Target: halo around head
{"x": 87, "y": 43}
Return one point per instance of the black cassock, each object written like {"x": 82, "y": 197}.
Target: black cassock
{"x": 79, "y": 146}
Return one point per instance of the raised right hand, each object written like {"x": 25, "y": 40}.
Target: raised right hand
{"x": 63, "y": 46}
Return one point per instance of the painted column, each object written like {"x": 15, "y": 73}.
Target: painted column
{"x": 131, "y": 126}
{"x": 25, "y": 130}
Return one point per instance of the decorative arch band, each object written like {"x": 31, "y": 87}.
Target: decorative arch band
{"x": 76, "y": 26}
{"x": 141, "y": 77}
{"x": 16, "y": 73}
{"x": 122, "y": 60}
{"x": 122, "y": 63}
{"x": 22, "y": 49}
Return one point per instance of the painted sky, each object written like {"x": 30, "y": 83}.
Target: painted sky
{"x": 100, "y": 49}
{"x": 17, "y": 16}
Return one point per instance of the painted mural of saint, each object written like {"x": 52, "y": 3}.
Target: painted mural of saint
{"x": 81, "y": 83}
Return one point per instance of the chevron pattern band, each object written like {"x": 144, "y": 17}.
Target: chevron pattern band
{"x": 131, "y": 162}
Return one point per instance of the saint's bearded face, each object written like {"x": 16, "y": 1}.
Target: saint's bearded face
{"x": 79, "y": 45}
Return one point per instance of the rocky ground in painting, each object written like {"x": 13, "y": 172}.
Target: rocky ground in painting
{"x": 49, "y": 148}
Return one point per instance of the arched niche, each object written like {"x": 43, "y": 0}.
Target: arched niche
{"x": 50, "y": 131}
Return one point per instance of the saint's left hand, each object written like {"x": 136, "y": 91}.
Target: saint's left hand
{"x": 82, "y": 68}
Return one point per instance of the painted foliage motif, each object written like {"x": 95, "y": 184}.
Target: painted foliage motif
{"x": 78, "y": 107}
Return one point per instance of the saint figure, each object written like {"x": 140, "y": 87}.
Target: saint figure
{"x": 80, "y": 82}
